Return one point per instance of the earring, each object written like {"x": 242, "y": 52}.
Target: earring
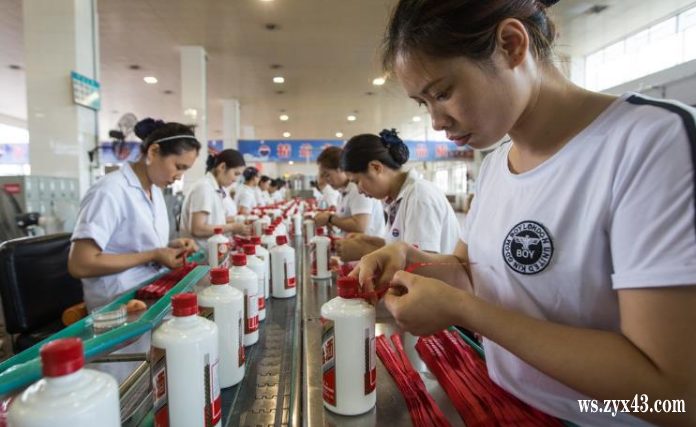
{"x": 147, "y": 161}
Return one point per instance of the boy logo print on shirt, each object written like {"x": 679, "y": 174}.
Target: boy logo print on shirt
{"x": 528, "y": 248}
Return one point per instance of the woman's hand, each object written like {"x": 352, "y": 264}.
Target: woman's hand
{"x": 321, "y": 219}
{"x": 423, "y": 306}
{"x": 189, "y": 245}
{"x": 240, "y": 229}
{"x": 377, "y": 269}
{"x": 172, "y": 258}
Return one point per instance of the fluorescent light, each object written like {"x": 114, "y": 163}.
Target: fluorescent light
{"x": 286, "y": 134}
{"x": 416, "y": 118}
{"x": 278, "y": 80}
{"x": 291, "y": 163}
{"x": 266, "y": 0}
{"x": 150, "y": 80}
{"x": 339, "y": 134}
{"x": 284, "y": 117}
{"x": 352, "y": 118}
{"x": 379, "y": 81}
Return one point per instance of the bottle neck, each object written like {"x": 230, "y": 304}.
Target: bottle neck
{"x": 65, "y": 380}
{"x": 186, "y": 320}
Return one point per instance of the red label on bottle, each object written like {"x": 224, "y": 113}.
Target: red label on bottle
{"x": 313, "y": 257}
{"x": 289, "y": 274}
{"x": 222, "y": 251}
{"x": 262, "y": 303}
{"x": 213, "y": 403}
{"x": 328, "y": 362}
{"x": 251, "y": 314}
{"x": 370, "y": 362}
{"x": 242, "y": 352}
{"x": 158, "y": 369}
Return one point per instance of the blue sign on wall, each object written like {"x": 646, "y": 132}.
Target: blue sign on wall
{"x": 295, "y": 150}
{"x": 309, "y": 150}
{"x": 14, "y": 154}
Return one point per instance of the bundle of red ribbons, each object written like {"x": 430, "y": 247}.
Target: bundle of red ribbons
{"x": 161, "y": 286}
{"x": 464, "y": 377}
{"x": 422, "y": 408}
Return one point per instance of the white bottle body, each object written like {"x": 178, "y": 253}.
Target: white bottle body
{"x": 308, "y": 230}
{"x": 218, "y": 251}
{"x": 224, "y": 305}
{"x": 283, "y": 278}
{"x": 268, "y": 241}
{"x": 320, "y": 256}
{"x": 265, "y": 257}
{"x": 185, "y": 367}
{"x": 349, "y": 370}
{"x": 255, "y": 264}
{"x": 246, "y": 281}
{"x": 85, "y": 398}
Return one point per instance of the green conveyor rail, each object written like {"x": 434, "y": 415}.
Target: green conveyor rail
{"x": 25, "y": 367}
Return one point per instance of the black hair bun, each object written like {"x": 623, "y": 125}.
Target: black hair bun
{"x": 548, "y": 3}
{"x": 145, "y": 127}
{"x": 250, "y": 173}
{"x": 398, "y": 150}
{"x": 210, "y": 162}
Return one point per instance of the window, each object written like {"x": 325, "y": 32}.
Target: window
{"x": 666, "y": 44}
{"x": 441, "y": 178}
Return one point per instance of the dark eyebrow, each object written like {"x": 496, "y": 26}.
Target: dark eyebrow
{"x": 427, "y": 87}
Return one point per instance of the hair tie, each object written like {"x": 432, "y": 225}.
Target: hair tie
{"x": 390, "y": 137}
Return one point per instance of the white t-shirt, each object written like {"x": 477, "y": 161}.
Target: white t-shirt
{"x": 230, "y": 206}
{"x": 421, "y": 215}
{"x": 266, "y": 198}
{"x": 330, "y": 196}
{"x": 353, "y": 203}
{"x": 277, "y": 196}
{"x": 245, "y": 197}
{"x": 205, "y": 196}
{"x": 613, "y": 209}
{"x": 119, "y": 216}
{"x": 260, "y": 201}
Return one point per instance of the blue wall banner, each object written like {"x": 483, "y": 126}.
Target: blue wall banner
{"x": 308, "y": 150}
{"x": 295, "y": 150}
{"x": 14, "y": 154}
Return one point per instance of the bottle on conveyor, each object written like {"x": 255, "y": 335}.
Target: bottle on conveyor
{"x": 283, "y": 269}
{"x": 224, "y": 305}
{"x": 185, "y": 364}
{"x": 320, "y": 255}
{"x": 265, "y": 256}
{"x": 68, "y": 395}
{"x": 256, "y": 265}
{"x": 348, "y": 351}
{"x": 308, "y": 228}
{"x": 245, "y": 280}
{"x": 218, "y": 249}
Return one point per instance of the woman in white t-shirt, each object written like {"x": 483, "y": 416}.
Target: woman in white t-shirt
{"x": 356, "y": 212}
{"x": 418, "y": 213}
{"x": 581, "y": 241}
{"x": 122, "y": 231}
{"x": 204, "y": 210}
{"x": 246, "y": 198}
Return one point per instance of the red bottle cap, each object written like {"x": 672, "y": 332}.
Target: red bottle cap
{"x": 250, "y": 249}
{"x": 185, "y": 304}
{"x": 239, "y": 260}
{"x": 269, "y": 231}
{"x": 62, "y": 357}
{"x": 281, "y": 240}
{"x": 348, "y": 287}
{"x": 218, "y": 230}
{"x": 256, "y": 240}
{"x": 219, "y": 276}
{"x": 320, "y": 231}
